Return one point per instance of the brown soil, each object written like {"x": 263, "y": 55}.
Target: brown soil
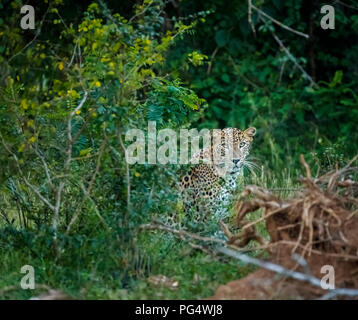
{"x": 320, "y": 223}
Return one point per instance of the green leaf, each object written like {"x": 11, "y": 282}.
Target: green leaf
{"x": 225, "y": 77}
{"x": 221, "y": 38}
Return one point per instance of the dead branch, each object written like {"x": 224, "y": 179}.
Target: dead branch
{"x": 293, "y": 59}
{"x": 304, "y": 163}
{"x": 249, "y": 17}
{"x": 318, "y": 223}
{"x": 282, "y": 46}
{"x": 275, "y": 21}
{"x": 233, "y": 252}
{"x": 285, "y": 272}
{"x": 182, "y": 234}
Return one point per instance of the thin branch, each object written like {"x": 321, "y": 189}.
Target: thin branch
{"x": 32, "y": 187}
{"x": 345, "y": 5}
{"x": 278, "y": 22}
{"x": 304, "y": 163}
{"x": 101, "y": 151}
{"x": 5, "y": 216}
{"x": 35, "y": 37}
{"x": 332, "y": 181}
{"x": 281, "y": 71}
{"x": 73, "y": 55}
{"x": 107, "y": 13}
{"x": 292, "y": 58}
{"x": 179, "y": 233}
{"x": 237, "y": 69}
{"x": 87, "y": 195}
{"x": 278, "y": 210}
{"x": 57, "y": 208}
{"x": 211, "y": 60}
{"x": 88, "y": 191}
{"x": 127, "y": 170}
{"x": 140, "y": 13}
{"x": 69, "y": 132}
{"x": 78, "y": 108}
{"x": 249, "y": 17}
{"x": 67, "y": 164}
{"x": 47, "y": 171}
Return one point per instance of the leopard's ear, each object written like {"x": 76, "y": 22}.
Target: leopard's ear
{"x": 250, "y": 131}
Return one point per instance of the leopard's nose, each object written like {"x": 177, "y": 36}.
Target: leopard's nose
{"x": 236, "y": 161}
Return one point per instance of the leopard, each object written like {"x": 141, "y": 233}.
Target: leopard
{"x": 207, "y": 188}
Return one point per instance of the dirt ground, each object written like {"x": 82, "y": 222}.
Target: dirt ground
{"x": 319, "y": 223}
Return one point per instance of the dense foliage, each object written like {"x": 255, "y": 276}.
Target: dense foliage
{"x": 71, "y": 88}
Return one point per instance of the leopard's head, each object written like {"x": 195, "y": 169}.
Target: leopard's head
{"x": 231, "y": 149}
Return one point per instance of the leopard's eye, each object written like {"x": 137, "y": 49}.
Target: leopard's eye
{"x": 242, "y": 144}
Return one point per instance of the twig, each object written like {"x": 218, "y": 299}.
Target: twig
{"x": 47, "y": 172}
{"x": 73, "y": 55}
{"x": 5, "y": 216}
{"x": 225, "y": 229}
{"x": 211, "y": 60}
{"x": 34, "y": 38}
{"x": 277, "y": 22}
{"x": 304, "y": 163}
{"x": 140, "y": 13}
{"x": 32, "y": 187}
{"x": 302, "y": 262}
{"x": 345, "y": 5}
{"x": 202, "y": 248}
{"x": 78, "y": 108}
{"x": 283, "y": 207}
{"x": 127, "y": 170}
{"x": 108, "y": 15}
{"x": 67, "y": 166}
{"x": 249, "y": 17}
{"x": 237, "y": 69}
{"x": 352, "y": 214}
{"x": 87, "y": 195}
{"x": 293, "y": 59}
{"x": 101, "y": 151}
{"x": 333, "y": 179}
{"x": 180, "y": 233}
{"x": 88, "y": 191}
{"x": 281, "y": 71}
{"x": 285, "y": 189}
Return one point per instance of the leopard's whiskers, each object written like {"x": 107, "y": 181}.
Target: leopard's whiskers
{"x": 252, "y": 166}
